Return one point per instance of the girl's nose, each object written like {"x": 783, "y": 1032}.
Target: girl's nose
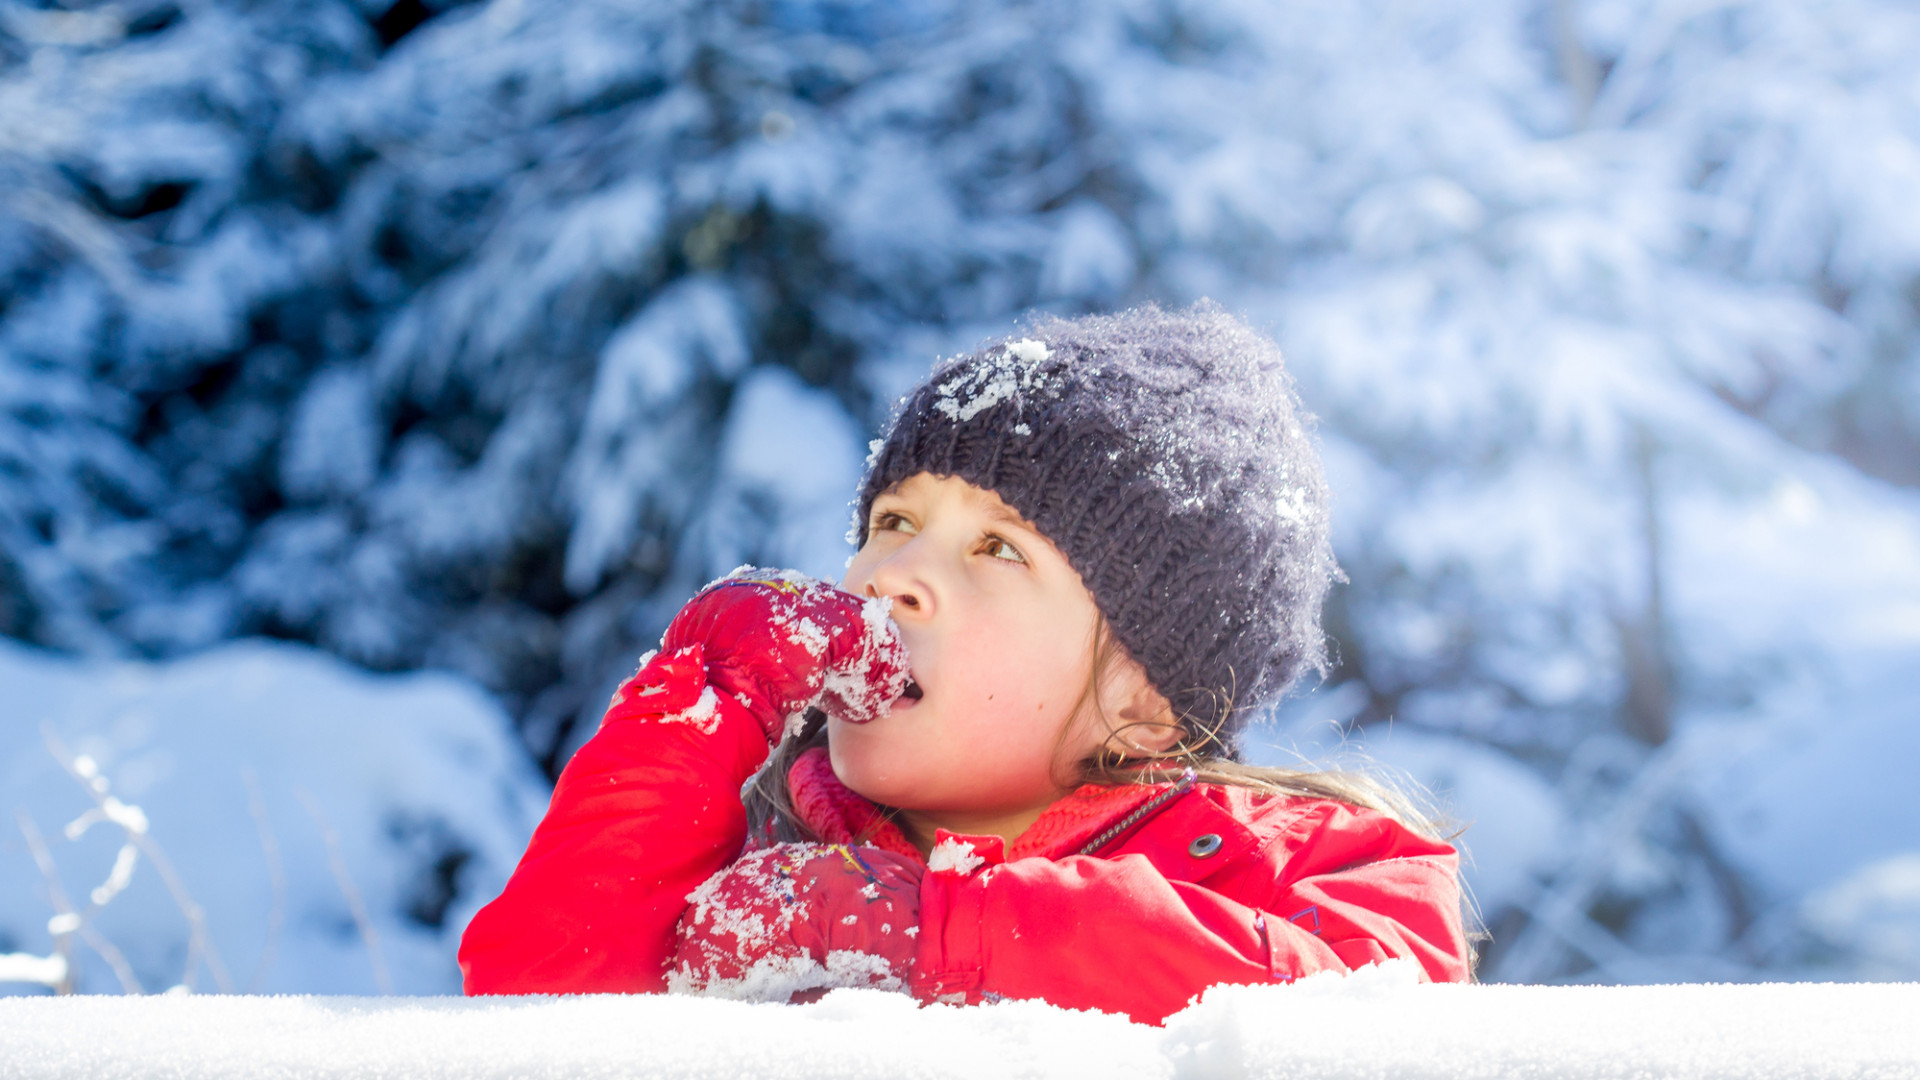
{"x": 896, "y": 579}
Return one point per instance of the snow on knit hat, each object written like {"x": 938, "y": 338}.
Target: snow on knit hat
{"x": 1166, "y": 455}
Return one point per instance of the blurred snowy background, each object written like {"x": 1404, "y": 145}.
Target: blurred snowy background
{"x": 453, "y": 344}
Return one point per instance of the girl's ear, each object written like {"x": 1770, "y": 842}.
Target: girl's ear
{"x": 1143, "y": 721}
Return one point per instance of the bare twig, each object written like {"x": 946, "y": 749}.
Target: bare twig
{"x": 67, "y": 922}
{"x": 340, "y": 877}
{"x": 257, "y": 804}
{"x": 106, "y": 807}
{"x": 1645, "y": 652}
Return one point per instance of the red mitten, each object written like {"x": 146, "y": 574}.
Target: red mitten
{"x": 795, "y": 919}
{"x": 780, "y": 642}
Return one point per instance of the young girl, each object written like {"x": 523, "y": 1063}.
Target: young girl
{"x": 1005, "y": 760}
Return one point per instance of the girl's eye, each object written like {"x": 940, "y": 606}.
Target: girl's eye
{"x": 886, "y": 521}
{"x": 1000, "y": 549}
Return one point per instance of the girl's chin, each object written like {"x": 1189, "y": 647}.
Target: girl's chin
{"x": 866, "y": 775}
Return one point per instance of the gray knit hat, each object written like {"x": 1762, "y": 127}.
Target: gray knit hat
{"x": 1166, "y": 455}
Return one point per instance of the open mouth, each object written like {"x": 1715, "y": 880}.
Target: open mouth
{"x": 913, "y": 691}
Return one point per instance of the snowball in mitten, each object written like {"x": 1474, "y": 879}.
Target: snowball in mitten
{"x": 780, "y": 642}
{"x": 794, "y": 918}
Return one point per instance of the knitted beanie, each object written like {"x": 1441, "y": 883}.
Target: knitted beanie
{"x": 1166, "y": 455}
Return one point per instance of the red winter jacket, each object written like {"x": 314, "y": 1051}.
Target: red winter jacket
{"x": 1129, "y": 899}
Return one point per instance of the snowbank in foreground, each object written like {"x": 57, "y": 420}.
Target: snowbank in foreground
{"x": 1375, "y": 1024}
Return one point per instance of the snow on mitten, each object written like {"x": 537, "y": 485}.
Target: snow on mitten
{"x": 781, "y": 642}
{"x": 794, "y": 920}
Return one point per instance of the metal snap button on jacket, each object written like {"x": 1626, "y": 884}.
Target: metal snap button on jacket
{"x": 1204, "y": 845}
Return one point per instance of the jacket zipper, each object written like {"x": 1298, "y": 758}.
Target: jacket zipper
{"x": 1151, "y": 806}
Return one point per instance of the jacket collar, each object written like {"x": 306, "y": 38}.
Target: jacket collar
{"x": 840, "y": 816}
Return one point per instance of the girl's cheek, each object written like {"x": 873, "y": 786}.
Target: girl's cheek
{"x": 1028, "y": 678}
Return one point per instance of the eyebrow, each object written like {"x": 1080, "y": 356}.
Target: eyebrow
{"x": 1001, "y": 512}
{"x": 995, "y": 509}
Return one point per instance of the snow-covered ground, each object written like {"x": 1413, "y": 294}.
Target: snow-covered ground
{"x": 1375, "y": 1024}
{"x": 266, "y": 776}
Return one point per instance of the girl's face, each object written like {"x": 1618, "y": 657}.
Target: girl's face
{"x": 1000, "y": 632}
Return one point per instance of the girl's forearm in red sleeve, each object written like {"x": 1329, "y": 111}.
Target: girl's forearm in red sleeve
{"x": 647, "y": 810}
